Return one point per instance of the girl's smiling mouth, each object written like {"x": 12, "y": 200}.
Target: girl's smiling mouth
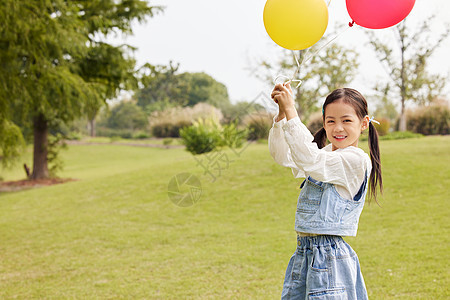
{"x": 340, "y": 137}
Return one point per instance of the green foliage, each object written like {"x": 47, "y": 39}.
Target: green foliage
{"x": 139, "y": 135}
{"x": 54, "y": 67}
{"x": 258, "y": 124}
{"x": 120, "y": 133}
{"x": 207, "y": 135}
{"x": 55, "y": 145}
{"x": 168, "y": 129}
{"x": 203, "y": 88}
{"x": 395, "y": 135}
{"x": 232, "y": 136}
{"x": 11, "y": 142}
{"x": 258, "y": 130}
{"x": 202, "y": 137}
{"x": 127, "y": 115}
{"x": 167, "y": 141}
{"x": 163, "y": 88}
{"x": 429, "y": 120}
{"x": 238, "y": 111}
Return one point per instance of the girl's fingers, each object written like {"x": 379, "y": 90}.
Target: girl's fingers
{"x": 278, "y": 86}
{"x": 284, "y": 89}
{"x": 288, "y": 85}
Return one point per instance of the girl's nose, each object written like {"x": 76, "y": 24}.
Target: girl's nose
{"x": 338, "y": 127}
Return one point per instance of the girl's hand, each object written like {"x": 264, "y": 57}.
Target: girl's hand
{"x": 282, "y": 94}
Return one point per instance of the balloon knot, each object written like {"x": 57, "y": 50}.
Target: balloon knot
{"x": 351, "y": 23}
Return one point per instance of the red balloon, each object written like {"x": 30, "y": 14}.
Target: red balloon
{"x": 377, "y": 14}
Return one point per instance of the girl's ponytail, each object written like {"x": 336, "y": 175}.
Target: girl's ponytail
{"x": 320, "y": 137}
{"x": 375, "y": 175}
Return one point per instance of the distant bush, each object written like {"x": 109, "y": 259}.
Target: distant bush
{"x": 315, "y": 122}
{"x": 168, "y": 129}
{"x": 141, "y": 135}
{"x": 258, "y": 124}
{"x": 202, "y": 137}
{"x": 167, "y": 141}
{"x": 74, "y": 136}
{"x": 108, "y": 132}
{"x": 206, "y": 135}
{"x": 429, "y": 120}
{"x": 383, "y": 127}
{"x": 396, "y": 135}
{"x": 232, "y": 136}
{"x": 168, "y": 123}
{"x": 126, "y": 115}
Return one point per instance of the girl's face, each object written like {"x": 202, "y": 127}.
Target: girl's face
{"x": 342, "y": 125}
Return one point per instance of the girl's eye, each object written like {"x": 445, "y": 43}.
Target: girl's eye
{"x": 347, "y": 120}
{"x": 330, "y": 121}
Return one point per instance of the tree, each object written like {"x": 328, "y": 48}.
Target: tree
{"x": 406, "y": 64}
{"x": 385, "y": 107}
{"x": 331, "y": 68}
{"x": 163, "y": 88}
{"x": 127, "y": 115}
{"x": 204, "y": 88}
{"x": 55, "y": 69}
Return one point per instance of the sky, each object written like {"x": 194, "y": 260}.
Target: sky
{"x": 225, "y": 39}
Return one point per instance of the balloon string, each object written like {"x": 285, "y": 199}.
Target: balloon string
{"x": 327, "y": 44}
{"x": 304, "y": 60}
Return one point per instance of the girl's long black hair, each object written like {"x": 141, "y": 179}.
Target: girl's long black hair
{"x": 359, "y": 103}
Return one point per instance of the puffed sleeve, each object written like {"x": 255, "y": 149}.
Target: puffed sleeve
{"x": 280, "y": 150}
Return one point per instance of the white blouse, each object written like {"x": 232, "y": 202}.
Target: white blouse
{"x": 290, "y": 144}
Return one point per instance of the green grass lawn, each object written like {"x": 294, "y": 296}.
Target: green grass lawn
{"x": 114, "y": 233}
{"x": 153, "y": 141}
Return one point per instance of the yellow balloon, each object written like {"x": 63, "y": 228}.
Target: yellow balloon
{"x": 295, "y": 24}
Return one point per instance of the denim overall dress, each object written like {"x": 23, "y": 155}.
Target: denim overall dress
{"x": 325, "y": 266}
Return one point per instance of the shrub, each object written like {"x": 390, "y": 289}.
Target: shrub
{"x": 383, "y": 127}
{"x": 168, "y": 129}
{"x": 141, "y": 135}
{"x": 258, "y": 124}
{"x": 428, "y": 120}
{"x": 108, "y": 132}
{"x": 167, "y": 141}
{"x": 396, "y": 135}
{"x": 168, "y": 123}
{"x": 203, "y": 136}
{"x": 207, "y": 135}
{"x": 232, "y": 136}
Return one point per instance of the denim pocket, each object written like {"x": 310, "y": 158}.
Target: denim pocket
{"x": 334, "y": 293}
{"x": 309, "y": 198}
{"x": 319, "y": 262}
{"x": 318, "y": 275}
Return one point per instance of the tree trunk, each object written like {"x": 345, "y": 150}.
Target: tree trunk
{"x": 402, "y": 124}
{"x": 40, "y": 166}
{"x": 401, "y": 31}
{"x": 92, "y": 127}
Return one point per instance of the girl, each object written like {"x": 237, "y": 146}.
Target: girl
{"x": 332, "y": 196}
